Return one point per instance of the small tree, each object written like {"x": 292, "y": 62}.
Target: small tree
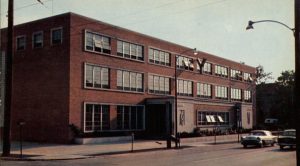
{"x": 261, "y": 76}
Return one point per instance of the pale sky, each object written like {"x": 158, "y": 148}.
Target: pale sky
{"x": 213, "y": 26}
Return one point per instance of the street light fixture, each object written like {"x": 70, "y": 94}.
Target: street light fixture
{"x": 297, "y": 68}
{"x": 201, "y": 64}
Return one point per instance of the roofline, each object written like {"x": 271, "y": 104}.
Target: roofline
{"x": 118, "y": 27}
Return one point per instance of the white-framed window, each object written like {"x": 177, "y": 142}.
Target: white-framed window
{"x": 97, "y": 43}
{"x": 130, "y": 117}
{"x": 236, "y": 94}
{"x": 212, "y": 118}
{"x": 56, "y": 35}
{"x": 129, "y": 81}
{"x": 221, "y": 92}
{"x": 184, "y": 63}
{"x": 130, "y": 50}
{"x": 37, "y": 39}
{"x": 96, "y": 117}
{"x": 247, "y": 77}
{"x": 204, "y": 90}
{"x": 221, "y": 71}
{"x": 184, "y": 87}
{"x": 247, "y": 96}
{"x": 236, "y": 74}
{"x": 21, "y": 42}
{"x": 158, "y": 84}
{"x": 96, "y": 76}
{"x": 159, "y": 57}
{"x": 207, "y": 68}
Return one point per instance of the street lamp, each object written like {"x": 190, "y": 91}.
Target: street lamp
{"x": 201, "y": 63}
{"x": 297, "y": 68}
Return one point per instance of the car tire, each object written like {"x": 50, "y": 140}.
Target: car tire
{"x": 281, "y": 147}
{"x": 245, "y": 146}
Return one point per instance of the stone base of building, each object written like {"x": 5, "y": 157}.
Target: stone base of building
{"x": 102, "y": 140}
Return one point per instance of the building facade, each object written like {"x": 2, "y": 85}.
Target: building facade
{"x": 70, "y": 70}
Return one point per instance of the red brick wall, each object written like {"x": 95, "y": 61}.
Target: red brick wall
{"x": 41, "y": 84}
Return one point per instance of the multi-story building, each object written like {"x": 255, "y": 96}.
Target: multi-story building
{"x": 107, "y": 80}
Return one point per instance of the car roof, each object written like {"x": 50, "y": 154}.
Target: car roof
{"x": 290, "y": 130}
{"x": 260, "y": 131}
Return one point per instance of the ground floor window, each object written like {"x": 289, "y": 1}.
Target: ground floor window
{"x": 96, "y": 117}
{"x": 130, "y": 117}
{"x": 212, "y": 118}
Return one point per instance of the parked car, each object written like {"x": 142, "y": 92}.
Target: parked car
{"x": 288, "y": 138}
{"x": 259, "y": 138}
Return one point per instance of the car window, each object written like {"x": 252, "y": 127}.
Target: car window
{"x": 289, "y": 133}
{"x": 258, "y": 133}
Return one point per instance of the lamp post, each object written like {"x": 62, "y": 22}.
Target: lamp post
{"x": 176, "y": 95}
{"x": 297, "y": 68}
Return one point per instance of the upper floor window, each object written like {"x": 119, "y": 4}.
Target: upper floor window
{"x": 159, "y": 57}
{"x": 158, "y": 84}
{"x": 236, "y": 94}
{"x": 221, "y": 71}
{"x": 247, "y": 77}
{"x": 129, "y": 81}
{"x": 97, "y": 43}
{"x": 21, "y": 42}
{"x": 96, "y": 76}
{"x": 236, "y": 74}
{"x": 221, "y": 92}
{"x": 184, "y": 63}
{"x": 206, "y": 68}
{"x": 184, "y": 88}
{"x": 204, "y": 90}
{"x": 129, "y": 50}
{"x": 56, "y": 36}
{"x": 37, "y": 39}
{"x": 247, "y": 96}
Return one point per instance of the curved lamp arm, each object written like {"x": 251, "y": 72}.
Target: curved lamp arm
{"x": 250, "y": 24}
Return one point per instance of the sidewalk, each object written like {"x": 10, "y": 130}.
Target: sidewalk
{"x": 36, "y": 151}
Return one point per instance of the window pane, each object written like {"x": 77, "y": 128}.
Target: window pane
{"x": 104, "y": 78}
{"x": 89, "y": 76}
{"x": 150, "y": 82}
{"x": 119, "y": 79}
{"x": 97, "y": 78}
{"x": 133, "y": 81}
{"x": 139, "y": 82}
{"x": 88, "y": 117}
{"x": 126, "y": 80}
{"x": 120, "y": 47}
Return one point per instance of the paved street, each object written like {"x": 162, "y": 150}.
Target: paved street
{"x": 203, "y": 154}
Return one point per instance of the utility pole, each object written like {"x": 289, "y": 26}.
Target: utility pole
{"x": 8, "y": 83}
{"x": 297, "y": 78}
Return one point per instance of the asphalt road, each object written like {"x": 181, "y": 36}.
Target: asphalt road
{"x": 206, "y": 155}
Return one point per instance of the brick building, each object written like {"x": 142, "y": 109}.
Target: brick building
{"x": 73, "y": 70}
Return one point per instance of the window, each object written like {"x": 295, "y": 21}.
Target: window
{"x": 159, "y": 57}
{"x": 129, "y": 81}
{"x": 236, "y": 74}
{"x": 130, "y": 117}
{"x": 247, "y": 96}
{"x": 96, "y": 76}
{"x": 184, "y": 63}
{"x": 97, "y": 43}
{"x": 212, "y": 118}
{"x": 221, "y": 71}
{"x": 204, "y": 90}
{"x": 247, "y": 77}
{"x": 206, "y": 68}
{"x": 158, "y": 84}
{"x": 37, "y": 39}
{"x": 56, "y": 36}
{"x": 221, "y": 92}
{"x": 96, "y": 117}
{"x": 184, "y": 88}
{"x": 236, "y": 94}
{"x": 130, "y": 51}
{"x": 21, "y": 43}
